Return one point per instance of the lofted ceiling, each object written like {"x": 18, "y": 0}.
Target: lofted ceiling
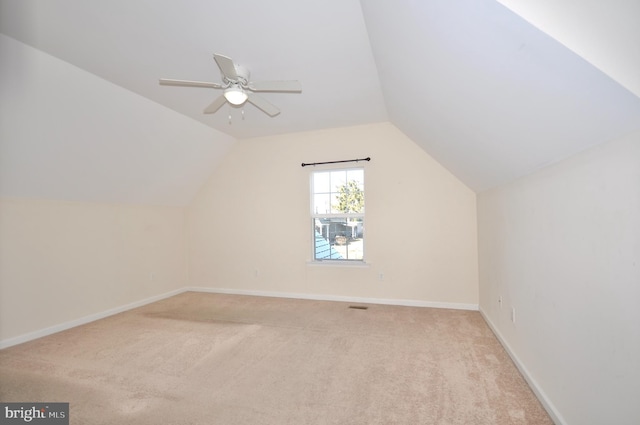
{"x": 481, "y": 89}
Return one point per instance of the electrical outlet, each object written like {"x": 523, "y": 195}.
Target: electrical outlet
{"x": 513, "y": 314}
{"x": 152, "y": 276}
{"x": 380, "y": 276}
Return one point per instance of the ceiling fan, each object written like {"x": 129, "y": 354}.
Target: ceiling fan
{"x": 238, "y": 89}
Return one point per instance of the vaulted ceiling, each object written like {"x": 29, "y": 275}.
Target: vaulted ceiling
{"x": 485, "y": 92}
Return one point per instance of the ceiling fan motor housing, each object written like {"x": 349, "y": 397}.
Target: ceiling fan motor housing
{"x": 242, "y": 73}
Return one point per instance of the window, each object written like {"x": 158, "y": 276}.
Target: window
{"x": 337, "y": 214}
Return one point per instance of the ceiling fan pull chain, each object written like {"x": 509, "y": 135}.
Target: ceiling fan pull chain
{"x": 242, "y": 112}
{"x": 229, "y": 118}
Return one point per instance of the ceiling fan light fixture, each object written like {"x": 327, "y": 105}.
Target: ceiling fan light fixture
{"x": 235, "y": 95}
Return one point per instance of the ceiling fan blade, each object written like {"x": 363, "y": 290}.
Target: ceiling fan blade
{"x": 293, "y": 86}
{"x": 226, "y": 66}
{"x": 215, "y": 105}
{"x": 263, "y": 104}
{"x": 187, "y": 83}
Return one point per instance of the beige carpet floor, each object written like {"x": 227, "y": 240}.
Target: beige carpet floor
{"x": 225, "y": 359}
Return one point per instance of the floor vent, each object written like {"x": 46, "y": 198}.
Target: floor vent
{"x": 358, "y": 307}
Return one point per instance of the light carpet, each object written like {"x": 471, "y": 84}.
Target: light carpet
{"x": 199, "y": 359}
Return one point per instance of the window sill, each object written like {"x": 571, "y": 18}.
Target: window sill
{"x": 338, "y": 263}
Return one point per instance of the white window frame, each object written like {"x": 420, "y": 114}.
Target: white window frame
{"x": 316, "y": 216}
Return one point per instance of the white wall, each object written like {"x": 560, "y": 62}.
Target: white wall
{"x": 250, "y": 229}
{"x": 61, "y": 261}
{"x": 562, "y": 246}
{"x": 67, "y": 135}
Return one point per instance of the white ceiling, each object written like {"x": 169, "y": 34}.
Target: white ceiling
{"x": 133, "y": 43}
{"x": 490, "y": 96}
{"x": 482, "y": 90}
{"x": 606, "y": 33}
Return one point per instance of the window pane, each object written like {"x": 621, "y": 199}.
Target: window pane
{"x": 321, "y": 182}
{"x": 335, "y": 203}
{"x": 324, "y": 251}
{"x": 322, "y": 203}
{"x": 338, "y": 239}
{"x": 357, "y": 176}
{"x": 348, "y": 199}
{"x": 338, "y": 179}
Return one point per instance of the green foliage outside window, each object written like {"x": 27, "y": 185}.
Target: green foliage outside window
{"x": 350, "y": 198}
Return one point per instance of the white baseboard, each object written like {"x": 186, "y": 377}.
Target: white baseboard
{"x": 544, "y": 400}
{"x": 83, "y": 320}
{"x": 324, "y": 297}
{"x": 318, "y": 297}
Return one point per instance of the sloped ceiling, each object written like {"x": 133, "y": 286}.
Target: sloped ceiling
{"x": 67, "y": 135}
{"x": 481, "y": 89}
{"x": 605, "y": 33}
{"x": 486, "y": 93}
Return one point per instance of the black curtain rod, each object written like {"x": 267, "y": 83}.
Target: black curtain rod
{"x": 338, "y": 162}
